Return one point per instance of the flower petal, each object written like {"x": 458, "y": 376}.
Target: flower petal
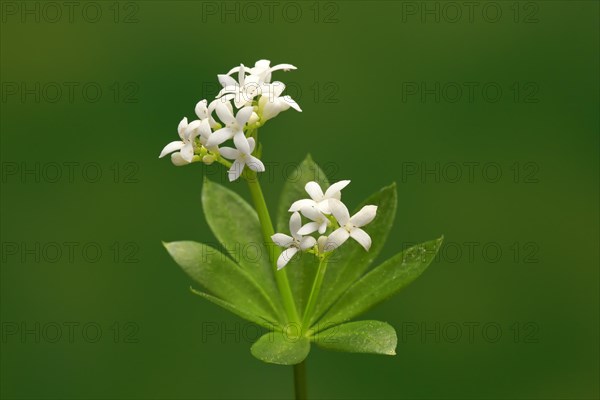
{"x": 339, "y": 211}
{"x": 236, "y": 170}
{"x": 242, "y": 74}
{"x": 252, "y": 144}
{"x": 229, "y": 153}
{"x": 307, "y": 242}
{"x": 177, "y": 160}
{"x": 336, "y": 239}
{"x": 323, "y": 227}
{"x": 241, "y": 100}
{"x": 181, "y": 127}
{"x": 201, "y": 109}
{"x": 255, "y": 164}
{"x": 286, "y": 256}
{"x": 233, "y": 70}
{"x": 270, "y": 110}
{"x": 243, "y": 116}
{"x": 361, "y": 237}
{"x": 314, "y": 190}
{"x": 187, "y": 152}
{"x": 211, "y": 107}
{"x": 262, "y": 65}
{"x": 192, "y": 130}
{"x": 204, "y": 130}
{"x": 308, "y": 228}
{"x": 334, "y": 190}
{"x": 364, "y": 216}
{"x": 225, "y": 114}
{"x": 282, "y": 240}
{"x": 313, "y": 214}
{"x": 285, "y": 67}
{"x": 226, "y": 80}
{"x": 323, "y": 206}
{"x": 171, "y": 147}
{"x": 241, "y": 142}
{"x": 300, "y": 204}
{"x": 291, "y": 103}
{"x": 219, "y": 137}
{"x": 275, "y": 89}
{"x": 295, "y": 224}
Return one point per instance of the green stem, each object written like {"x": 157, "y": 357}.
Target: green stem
{"x": 300, "y": 381}
{"x": 314, "y": 292}
{"x": 267, "y": 230}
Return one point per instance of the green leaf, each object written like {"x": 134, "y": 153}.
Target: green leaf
{"x": 279, "y": 348}
{"x": 302, "y": 269}
{"x": 382, "y": 282}
{"x": 221, "y": 277}
{"x": 235, "y": 224}
{"x": 234, "y": 309}
{"x": 373, "y": 337}
{"x": 351, "y": 261}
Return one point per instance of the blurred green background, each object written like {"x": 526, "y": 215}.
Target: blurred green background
{"x": 485, "y": 115}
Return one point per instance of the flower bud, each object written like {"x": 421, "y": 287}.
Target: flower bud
{"x": 208, "y": 159}
{"x": 177, "y": 160}
{"x": 253, "y": 119}
{"x": 321, "y": 244}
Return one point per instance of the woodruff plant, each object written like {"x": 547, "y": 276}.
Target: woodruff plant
{"x": 327, "y": 281}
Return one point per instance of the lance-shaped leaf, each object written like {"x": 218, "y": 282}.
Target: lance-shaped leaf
{"x": 235, "y": 224}
{"x": 382, "y": 282}
{"x": 222, "y": 278}
{"x": 373, "y": 337}
{"x": 302, "y": 269}
{"x": 280, "y": 348}
{"x": 348, "y": 263}
{"x": 235, "y": 310}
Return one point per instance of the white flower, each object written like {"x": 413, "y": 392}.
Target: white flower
{"x": 178, "y": 160}
{"x": 292, "y": 243}
{"x": 271, "y": 104}
{"x": 321, "y": 241}
{"x": 204, "y": 111}
{"x": 350, "y": 226}
{"x": 319, "y": 220}
{"x": 206, "y": 121}
{"x": 242, "y": 91}
{"x": 234, "y": 126}
{"x": 317, "y": 198}
{"x": 262, "y": 69}
{"x": 187, "y": 133}
{"x": 243, "y": 157}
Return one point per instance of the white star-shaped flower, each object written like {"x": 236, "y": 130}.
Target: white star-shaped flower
{"x": 205, "y": 123}
{"x": 319, "y": 220}
{"x": 242, "y": 91}
{"x": 318, "y": 198}
{"x": 350, "y": 226}
{"x": 204, "y": 111}
{"x": 292, "y": 243}
{"x": 185, "y": 146}
{"x": 271, "y": 103}
{"x": 234, "y": 126}
{"x": 262, "y": 69}
{"x": 243, "y": 157}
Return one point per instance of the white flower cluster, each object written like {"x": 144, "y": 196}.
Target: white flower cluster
{"x": 256, "y": 99}
{"x": 325, "y": 211}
